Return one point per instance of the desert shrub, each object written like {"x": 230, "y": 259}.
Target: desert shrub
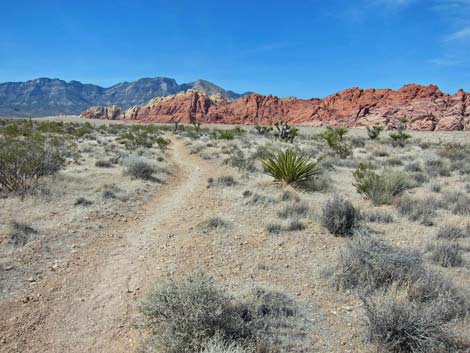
{"x": 445, "y": 299}
{"x": 194, "y": 314}
{"x": 454, "y": 151}
{"x": 436, "y": 167}
{"x": 81, "y": 201}
{"x": 400, "y": 136}
{"x": 446, "y": 254}
{"x": 262, "y": 200}
{"x": 183, "y": 316}
{"x": 414, "y": 167}
{"x": 139, "y": 169}
{"x": 340, "y": 217}
{"x": 417, "y": 210}
{"x": 295, "y": 225}
{"x": 357, "y": 141}
{"x": 103, "y": 164}
{"x": 369, "y": 263}
{"x": 20, "y": 234}
{"x": 274, "y": 228}
{"x": 380, "y": 188}
{"x": 288, "y": 195}
{"x": 215, "y": 223}
{"x": 394, "y": 162}
{"x": 380, "y": 152}
{"x": 290, "y": 167}
{"x": 434, "y": 187}
{"x": 299, "y": 209}
{"x": 224, "y": 180}
{"x": 320, "y": 183}
{"x": 24, "y": 161}
{"x": 285, "y": 132}
{"x": 378, "y": 217}
{"x": 419, "y": 178}
{"x": 405, "y": 327}
{"x": 457, "y": 202}
{"x": 451, "y": 232}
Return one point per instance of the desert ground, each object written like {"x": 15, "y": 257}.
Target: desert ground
{"x": 175, "y": 238}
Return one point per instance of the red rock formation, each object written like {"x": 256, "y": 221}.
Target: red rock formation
{"x": 426, "y": 108}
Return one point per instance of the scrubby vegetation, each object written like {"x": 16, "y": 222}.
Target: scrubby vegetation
{"x": 340, "y": 217}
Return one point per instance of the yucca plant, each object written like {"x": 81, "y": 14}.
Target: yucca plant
{"x": 289, "y": 167}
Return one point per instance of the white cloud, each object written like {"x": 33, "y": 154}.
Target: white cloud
{"x": 461, "y": 34}
{"x": 446, "y": 61}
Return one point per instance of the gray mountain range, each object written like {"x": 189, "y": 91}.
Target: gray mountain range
{"x": 46, "y": 96}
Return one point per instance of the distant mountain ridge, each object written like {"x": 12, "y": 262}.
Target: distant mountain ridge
{"x": 46, "y": 96}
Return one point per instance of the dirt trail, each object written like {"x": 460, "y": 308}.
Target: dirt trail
{"x": 91, "y": 306}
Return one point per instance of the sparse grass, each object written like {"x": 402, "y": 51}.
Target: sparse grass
{"x": 437, "y": 167}
{"x": 296, "y": 209}
{"x": 423, "y": 211}
{"x": 452, "y": 232}
{"x": 295, "y": 225}
{"x": 457, "y": 202}
{"x": 224, "y": 180}
{"x": 274, "y": 228}
{"x": 340, "y": 217}
{"x": 378, "y": 217}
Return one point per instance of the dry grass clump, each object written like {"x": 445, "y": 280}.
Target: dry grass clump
{"x": 457, "y": 202}
{"x": 224, "y": 180}
{"x": 215, "y": 223}
{"x": 417, "y": 210}
{"x": 437, "y": 167}
{"x": 101, "y": 163}
{"x": 296, "y": 209}
{"x": 452, "y": 232}
{"x": 20, "y": 234}
{"x": 378, "y": 217}
{"x": 446, "y": 254}
{"x": 340, "y": 217}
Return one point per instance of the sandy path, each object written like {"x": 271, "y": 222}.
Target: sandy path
{"x": 91, "y": 306}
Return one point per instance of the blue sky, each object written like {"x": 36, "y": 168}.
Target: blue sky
{"x": 304, "y": 48}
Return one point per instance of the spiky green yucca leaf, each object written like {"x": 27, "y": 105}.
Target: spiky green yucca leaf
{"x": 289, "y": 166}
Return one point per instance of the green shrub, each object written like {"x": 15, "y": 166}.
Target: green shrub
{"x": 226, "y": 134}
{"x": 340, "y": 217}
{"x": 380, "y": 188}
{"x": 290, "y": 167}
{"x": 24, "y": 161}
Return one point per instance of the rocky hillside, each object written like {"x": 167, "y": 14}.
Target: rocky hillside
{"x": 426, "y": 107}
{"x": 45, "y": 96}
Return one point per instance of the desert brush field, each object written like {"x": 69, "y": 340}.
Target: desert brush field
{"x": 171, "y": 238}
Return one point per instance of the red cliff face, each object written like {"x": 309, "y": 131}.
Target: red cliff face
{"x": 426, "y": 108}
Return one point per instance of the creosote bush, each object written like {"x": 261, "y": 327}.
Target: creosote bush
{"x": 340, "y": 217}
{"x": 380, "y": 188}
{"x": 24, "y": 161}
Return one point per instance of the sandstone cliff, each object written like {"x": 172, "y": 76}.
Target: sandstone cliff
{"x": 426, "y": 108}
